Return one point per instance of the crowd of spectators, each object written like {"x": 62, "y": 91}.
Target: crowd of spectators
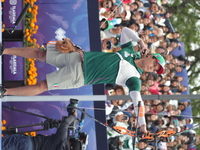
{"x": 150, "y": 21}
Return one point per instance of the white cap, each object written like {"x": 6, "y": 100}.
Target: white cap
{"x": 121, "y": 9}
{"x": 141, "y": 26}
{"x": 192, "y": 131}
{"x": 165, "y": 123}
{"x": 128, "y": 15}
{"x": 171, "y": 138}
{"x": 178, "y": 128}
{"x": 161, "y": 31}
{"x": 191, "y": 120}
{"x": 179, "y": 111}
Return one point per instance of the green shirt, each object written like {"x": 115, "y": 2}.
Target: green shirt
{"x": 100, "y": 67}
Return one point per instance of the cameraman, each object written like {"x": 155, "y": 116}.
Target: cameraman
{"x": 57, "y": 141}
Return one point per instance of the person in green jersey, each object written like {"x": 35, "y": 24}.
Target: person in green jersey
{"x": 123, "y": 68}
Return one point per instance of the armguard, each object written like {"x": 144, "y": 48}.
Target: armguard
{"x": 136, "y": 97}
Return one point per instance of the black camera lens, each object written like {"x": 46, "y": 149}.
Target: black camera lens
{"x": 73, "y": 101}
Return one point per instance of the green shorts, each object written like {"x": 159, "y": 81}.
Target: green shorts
{"x": 70, "y": 74}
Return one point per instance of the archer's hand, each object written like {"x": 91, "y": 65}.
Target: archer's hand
{"x": 75, "y": 113}
{"x": 143, "y": 128}
{"x": 120, "y": 143}
{"x": 65, "y": 46}
{"x": 144, "y": 52}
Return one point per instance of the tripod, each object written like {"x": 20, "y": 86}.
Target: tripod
{"x": 47, "y": 124}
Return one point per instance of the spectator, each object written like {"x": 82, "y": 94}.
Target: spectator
{"x": 186, "y": 103}
{"x": 178, "y": 69}
{"x": 114, "y": 32}
{"x": 181, "y": 107}
{"x": 105, "y": 4}
{"x": 157, "y": 108}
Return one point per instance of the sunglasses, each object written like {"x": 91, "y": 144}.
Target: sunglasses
{"x": 108, "y": 43}
{"x": 107, "y": 5}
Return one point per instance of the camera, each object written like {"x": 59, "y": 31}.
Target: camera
{"x": 78, "y": 140}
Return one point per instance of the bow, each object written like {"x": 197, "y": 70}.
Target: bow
{"x": 122, "y": 130}
{"x": 149, "y": 135}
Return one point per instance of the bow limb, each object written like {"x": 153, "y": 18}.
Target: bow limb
{"x": 151, "y": 136}
{"x": 167, "y": 133}
{"x": 123, "y": 130}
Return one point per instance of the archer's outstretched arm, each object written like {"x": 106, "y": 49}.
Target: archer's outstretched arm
{"x": 128, "y": 35}
{"x": 136, "y": 97}
{"x": 134, "y": 86}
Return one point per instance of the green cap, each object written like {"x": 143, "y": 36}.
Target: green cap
{"x": 161, "y": 62}
{"x": 109, "y": 25}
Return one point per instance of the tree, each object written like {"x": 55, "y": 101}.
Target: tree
{"x": 194, "y": 70}
{"x": 186, "y": 20}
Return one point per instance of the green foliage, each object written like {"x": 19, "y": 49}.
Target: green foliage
{"x": 185, "y": 16}
{"x": 195, "y": 106}
{"x": 184, "y": 20}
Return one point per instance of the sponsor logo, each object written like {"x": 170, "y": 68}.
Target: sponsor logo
{"x": 60, "y": 33}
{"x": 12, "y": 14}
{"x": 13, "y": 65}
{"x": 12, "y": 11}
{"x": 13, "y": 2}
